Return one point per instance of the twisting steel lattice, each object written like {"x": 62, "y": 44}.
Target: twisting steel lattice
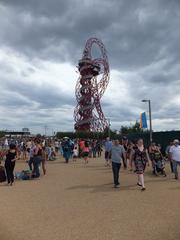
{"x": 93, "y": 80}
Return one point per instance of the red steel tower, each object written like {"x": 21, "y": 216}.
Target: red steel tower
{"x": 93, "y": 80}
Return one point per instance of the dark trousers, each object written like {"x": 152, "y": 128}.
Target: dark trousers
{"x": 9, "y": 166}
{"x": 116, "y": 168}
{"x": 125, "y": 163}
{"x": 94, "y": 153}
{"x": 36, "y": 165}
{"x": 99, "y": 153}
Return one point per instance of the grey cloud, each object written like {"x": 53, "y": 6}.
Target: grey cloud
{"x": 135, "y": 32}
{"x": 46, "y": 96}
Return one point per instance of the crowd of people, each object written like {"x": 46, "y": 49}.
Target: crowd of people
{"x": 34, "y": 151}
{"x": 137, "y": 157}
{"x": 37, "y": 151}
{"x": 133, "y": 155}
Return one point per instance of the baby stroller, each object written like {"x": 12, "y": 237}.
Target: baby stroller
{"x": 159, "y": 164}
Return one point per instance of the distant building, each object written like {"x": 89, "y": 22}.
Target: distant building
{"x": 24, "y": 132}
{"x": 25, "y": 129}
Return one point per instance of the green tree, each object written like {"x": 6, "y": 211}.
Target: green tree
{"x": 131, "y": 129}
{"x": 2, "y": 134}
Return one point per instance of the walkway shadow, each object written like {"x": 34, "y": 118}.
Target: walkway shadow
{"x": 109, "y": 186}
{"x": 55, "y": 162}
{"x": 63, "y": 162}
{"x": 98, "y": 167}
{"x": 102, "y": 188}
{"x": 151, "y": 175}
{"x": 104, "y": 170}
{"x": 175, "y": 188}
{"x": 157, "y": 180}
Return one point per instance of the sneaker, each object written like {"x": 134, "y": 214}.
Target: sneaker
{"x": 143, "y": 189}
{"x": 117, "y": 186}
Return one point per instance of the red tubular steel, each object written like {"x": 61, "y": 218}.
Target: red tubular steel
{"x": 88, "y": 114}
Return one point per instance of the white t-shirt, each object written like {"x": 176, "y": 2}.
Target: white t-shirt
{"x": 75, "y": 152}
{"x": 56, "y": 144}
{"x": 175, "y": 152}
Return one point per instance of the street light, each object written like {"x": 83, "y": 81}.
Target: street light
{"x": 45, "y": 130}
{"x": 150, "y": 117}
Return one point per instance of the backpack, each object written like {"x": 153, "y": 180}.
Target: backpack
{"x": 26, "y": 175}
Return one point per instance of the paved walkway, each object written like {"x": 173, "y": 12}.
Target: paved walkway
{"x": 77, "y": 202}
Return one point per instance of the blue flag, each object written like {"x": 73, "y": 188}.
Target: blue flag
{"x": 143, "y": 120}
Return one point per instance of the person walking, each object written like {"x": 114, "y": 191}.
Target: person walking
{"x": 117, "y": 155}
{"x": 99, "y": 148}
{"x": 85, "y": 152}
{"x": 140, "y": 158}
{"x": 153, "y": 152}
{"x": 81, "y": 147}
{"x": 56, "y": 144}
{"x": 10, "y": 161}
{"x": 37, "y": 159}
{"x": 94, "y": 148}
{"x": 175, "y": 157}
{"x": 66, "y": 146}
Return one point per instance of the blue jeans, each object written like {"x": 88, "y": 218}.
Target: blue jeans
{"x": 94, "y": 153}
{"x": 36, "y": 164}
{"x": 175, "y": 164}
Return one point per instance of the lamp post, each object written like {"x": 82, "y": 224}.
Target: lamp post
{"x": 150, "y": 118}
{"x": 45, "y": 130}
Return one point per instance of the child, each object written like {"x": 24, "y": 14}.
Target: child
{"x": 75, "y": 153}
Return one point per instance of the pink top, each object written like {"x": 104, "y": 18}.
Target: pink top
{"x": 86, "y": 149}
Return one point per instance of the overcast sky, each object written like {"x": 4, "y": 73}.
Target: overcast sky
{"x": 41, "y": 42}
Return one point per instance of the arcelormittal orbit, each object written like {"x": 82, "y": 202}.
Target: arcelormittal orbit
{"x": 93, "y": 80}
